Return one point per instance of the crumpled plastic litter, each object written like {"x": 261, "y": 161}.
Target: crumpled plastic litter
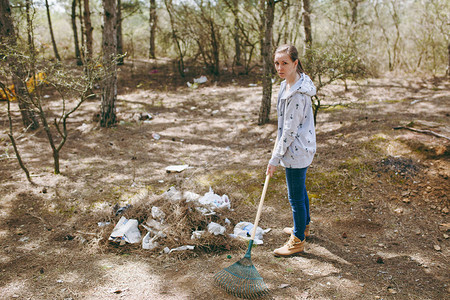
{"x": 211, "y": 201}
{"x": 201, "y": 79}
{"x": 244, "y": 230}
{"x": 197, "y": 234}
{"x": 149, "y": 242}
{"x": 120, "y": 210}
{"x": 167, "y": 250}
{"x": 173, "y": 194}
{"x": 145, "y": 116}
{"x": 192, "y": 85}
{"x": 176, "y": 168}
{"x": 126, "y": 230}
{"x": 206, "y": 203}
{"x": 157, "y": 213}
{"x": 216, "y": 228}
{"x": 190, "y": 196}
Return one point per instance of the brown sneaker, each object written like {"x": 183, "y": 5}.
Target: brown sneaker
{"x": 290, "y": 230}
{"x": 293, "y": 246}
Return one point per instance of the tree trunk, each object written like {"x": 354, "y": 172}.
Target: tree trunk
{"x": 119, "y": 32}
{"x": 237, "y": 43}
{"x": 75, "y": 33}
{"x": 153, "y": 23}
{"x": 287, "y": 18}
{"x": 354, "y": 6}
{"x": 10, "y": 134}
{"x": 88, "y": 30}
{"x": 29, "y": 26}
{"x": 8, "y": 36}
{"x": 237, "y": 40}
{"x": 264, "y": 111}
{"x": 168, "y": 4}
{"x": 215, "y": 48}
{"x": 261, "y": 25}
{"x": 307, "y": 23}
{"x": 448, "y": 67}
{"x": 83, "y": 38}
{"x": 55, "y": 49}
{"x": 109, "y": 93}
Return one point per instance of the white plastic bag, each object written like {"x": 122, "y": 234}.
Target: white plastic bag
{"x": 244, "y": 230}
{"x": 201, "y": 79}
{"x": 213, "y": 201}
{"x": 197, "y": 234}
{"x": 173, "y": 194}
{"x": 190, "y": 196}
{"x": 216, "y": 229}
{"x": 149, "y": 242}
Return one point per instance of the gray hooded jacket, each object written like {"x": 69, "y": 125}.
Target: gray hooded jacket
{"x": 296, "y": 144}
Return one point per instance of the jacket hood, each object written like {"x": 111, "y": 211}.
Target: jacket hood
{"x": 303, "y": 86}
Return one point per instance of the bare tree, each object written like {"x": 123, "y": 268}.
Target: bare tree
{"x": 234, "y": 5}
{"x": 88, "y": 30}
{"x": 82, "y": 30}
{"x": 52, "y": 36}
{"x": 392, "y": 45}
{"x": 264, "y": 111}
{"x": 75, "y": 32}
{"x": 11, "y": 134}
{"x": 207, "y": 35}
{"x": 119, "y": 32}
{"x": 19, "y": 75}
{"x": 175, "y": 37}
{"x": 245, "y": 21}
{"x": 153, "y": 21}
{"x": 29, "y": 10}
{"x": 69, "y": 85}
{"x": 109, "y": 85}
{"x": 307, "y": 23}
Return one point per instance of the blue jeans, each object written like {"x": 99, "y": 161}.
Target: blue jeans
{"x": 298, "y": 198}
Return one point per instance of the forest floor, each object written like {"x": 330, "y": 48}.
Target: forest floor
{"x": 379, "y": 196}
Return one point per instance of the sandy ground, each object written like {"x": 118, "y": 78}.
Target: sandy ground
{"x": 378, "y": 195}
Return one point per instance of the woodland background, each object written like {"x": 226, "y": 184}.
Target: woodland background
{"x": 99, "y": 97}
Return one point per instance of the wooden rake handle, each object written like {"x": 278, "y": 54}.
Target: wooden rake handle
{"x": 261, "y": 202}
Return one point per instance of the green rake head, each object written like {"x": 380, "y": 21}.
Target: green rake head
{"x": 242, "y": 280}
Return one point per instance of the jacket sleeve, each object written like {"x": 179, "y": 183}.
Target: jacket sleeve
{"x": 293, "y": 118}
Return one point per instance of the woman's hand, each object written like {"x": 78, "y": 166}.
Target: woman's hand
{"x": 270, "y": 170}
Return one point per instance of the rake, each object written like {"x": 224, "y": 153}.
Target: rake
{"x": 241, "y": 279}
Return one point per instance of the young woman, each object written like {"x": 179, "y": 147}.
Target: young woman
{"x": 296, "y": 144}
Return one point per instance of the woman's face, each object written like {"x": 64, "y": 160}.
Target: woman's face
{"x": 286, "y": 68}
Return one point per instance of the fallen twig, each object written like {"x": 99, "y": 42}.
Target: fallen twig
{"x": 87, "y": 233}
{"x": 423, "y": 131}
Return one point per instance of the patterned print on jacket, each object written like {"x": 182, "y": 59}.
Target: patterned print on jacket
{"x": 296, "y": 132}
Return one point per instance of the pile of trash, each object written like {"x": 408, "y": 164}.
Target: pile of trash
{"x": 197, "y": 81}
{"x": 183, "y": 220}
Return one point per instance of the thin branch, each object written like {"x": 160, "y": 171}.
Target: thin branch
{"x": 11, "y": 137}
{"x": 423, "y": 131}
